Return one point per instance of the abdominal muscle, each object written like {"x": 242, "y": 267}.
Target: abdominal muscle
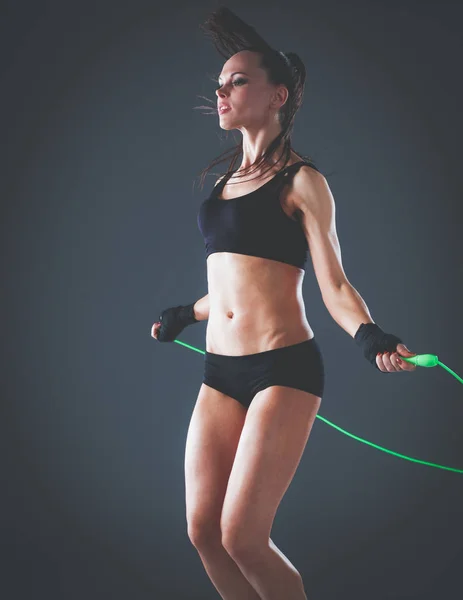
{"x": 255, "y": 305}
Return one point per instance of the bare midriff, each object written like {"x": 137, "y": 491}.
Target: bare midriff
{"x": 255, "y": 304}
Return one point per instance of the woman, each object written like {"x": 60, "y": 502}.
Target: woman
{"x": 264, "y": 374}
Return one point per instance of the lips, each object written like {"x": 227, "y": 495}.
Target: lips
{"x": 223, "y": 108}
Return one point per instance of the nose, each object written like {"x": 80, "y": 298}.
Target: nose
{"x": 220, "y": 92}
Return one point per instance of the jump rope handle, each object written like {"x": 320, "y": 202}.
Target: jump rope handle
{"x": 430, "y": 360}
{"x": 422, "y": 360}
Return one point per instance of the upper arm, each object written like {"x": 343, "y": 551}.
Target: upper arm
{"x": 314, "y": 199}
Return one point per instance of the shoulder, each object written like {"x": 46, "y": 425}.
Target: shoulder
{"x": 216, "y": 184}
{"x": 309, "y": 189}
{"x": 225, "y": 176}
{"x": 308, "y": 173}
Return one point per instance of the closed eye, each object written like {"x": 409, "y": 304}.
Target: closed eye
{"x": 239, "y": 81}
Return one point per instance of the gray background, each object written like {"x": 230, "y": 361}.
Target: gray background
{"x": 101, "y": 155}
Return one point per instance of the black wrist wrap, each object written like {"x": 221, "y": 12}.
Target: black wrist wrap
{"x": 372, "y": 339}
{"x": 174, "y": 320}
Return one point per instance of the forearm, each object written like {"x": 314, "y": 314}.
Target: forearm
{"x": 201, "y": 308}
{"x": 348, "y": 308}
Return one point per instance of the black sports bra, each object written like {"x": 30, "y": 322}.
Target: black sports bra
{"x": 254, "y": 224}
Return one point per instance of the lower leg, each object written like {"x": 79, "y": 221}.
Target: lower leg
{"x": 225, "y": 573}
{"x": 271, "y": 573}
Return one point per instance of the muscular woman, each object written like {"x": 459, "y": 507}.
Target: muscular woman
{"x": 263, "y": 369}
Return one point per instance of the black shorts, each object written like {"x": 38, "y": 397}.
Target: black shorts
{"x": 298, "y": 366}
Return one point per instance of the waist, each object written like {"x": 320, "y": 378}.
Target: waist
{"x": 254, "y": 304}
{"x": 257, "y": 329}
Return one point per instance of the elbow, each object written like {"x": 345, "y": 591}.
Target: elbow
{"x": 331, "y": 293}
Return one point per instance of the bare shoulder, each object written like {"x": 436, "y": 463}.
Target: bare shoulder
{"x": 308, "y": 187}
{"x": 308, "y": 172}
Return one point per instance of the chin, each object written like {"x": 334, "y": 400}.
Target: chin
{"x": 228, "y": 125}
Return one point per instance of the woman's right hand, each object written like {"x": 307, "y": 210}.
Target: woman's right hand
{"x": 172, "y": 321}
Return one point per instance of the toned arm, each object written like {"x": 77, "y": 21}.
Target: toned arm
{"x": 201, "y": 306}
{"x": 315, "y": 200}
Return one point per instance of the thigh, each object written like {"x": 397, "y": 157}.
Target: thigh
{"x": 213, "y": 435}
{"x": 277, "y": 427}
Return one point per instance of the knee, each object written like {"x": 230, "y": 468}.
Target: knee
{"x": 203, "y": 534}
{"x": 239, "y": 545}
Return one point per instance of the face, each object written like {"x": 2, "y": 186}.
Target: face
{"x": 244, "y": 87}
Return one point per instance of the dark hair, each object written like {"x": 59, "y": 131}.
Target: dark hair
{"x": 230, "y": 35}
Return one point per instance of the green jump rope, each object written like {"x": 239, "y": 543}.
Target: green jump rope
{"x": 420, "y": 360}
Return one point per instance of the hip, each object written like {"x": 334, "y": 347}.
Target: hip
{"x": 298, "y": 366}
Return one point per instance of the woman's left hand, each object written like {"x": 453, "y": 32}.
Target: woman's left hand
{"x": 389, "y": 362}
